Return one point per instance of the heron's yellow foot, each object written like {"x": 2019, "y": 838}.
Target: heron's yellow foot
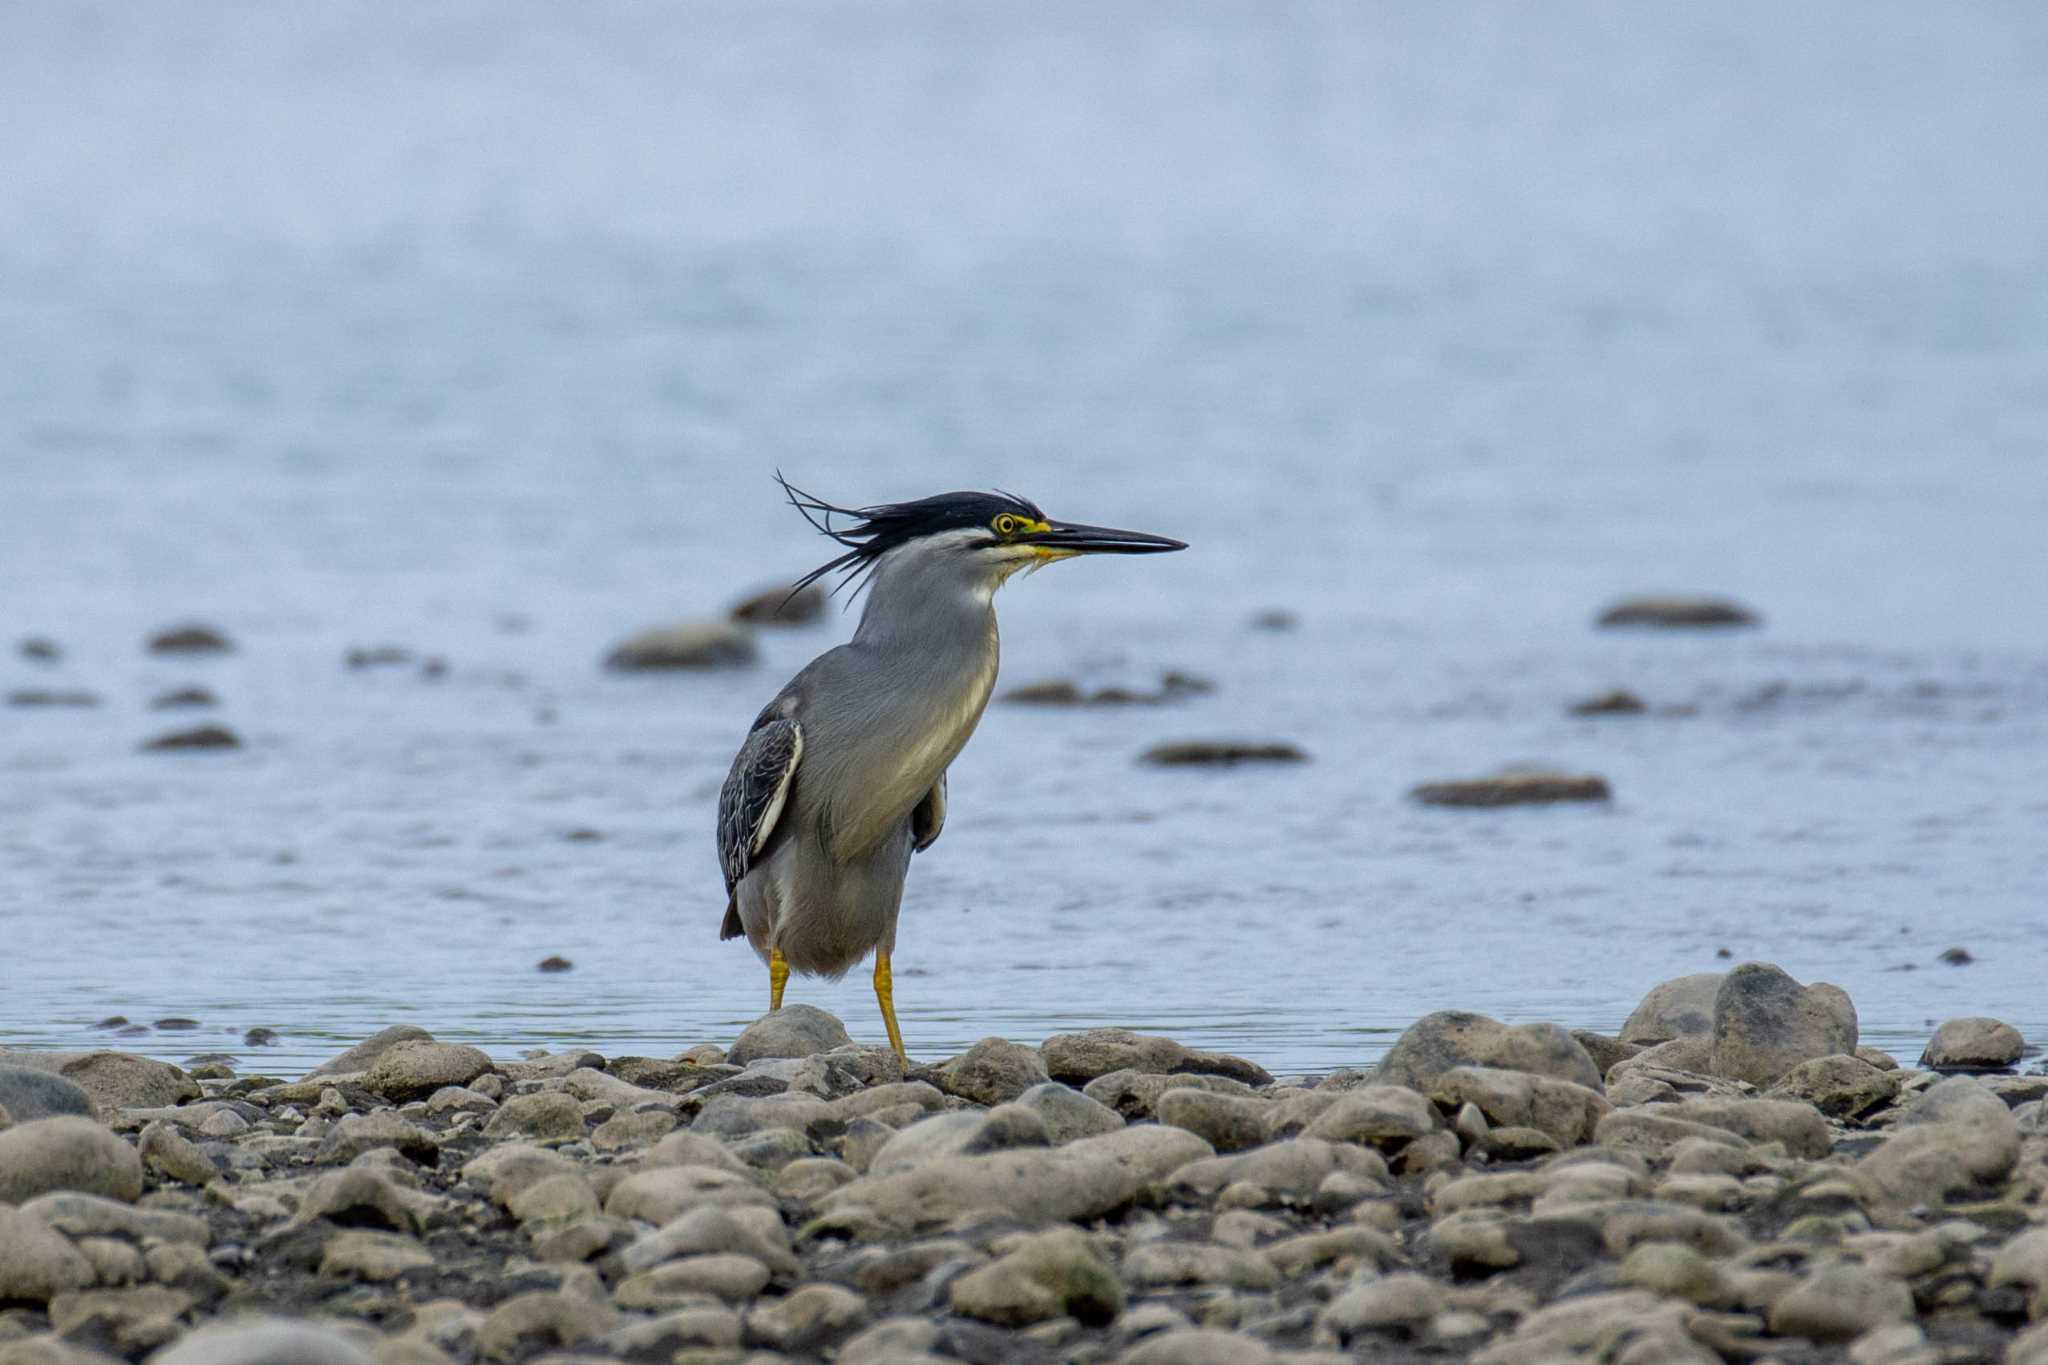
{"x": 778, "y": 977}
{"x": 885, "y": 992}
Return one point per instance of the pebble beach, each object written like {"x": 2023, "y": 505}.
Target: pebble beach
{"x": 1731, "y": 1179}
{"x": 1553, "y": 873}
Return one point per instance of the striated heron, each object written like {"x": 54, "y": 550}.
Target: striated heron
{"x": 843, "y": 775}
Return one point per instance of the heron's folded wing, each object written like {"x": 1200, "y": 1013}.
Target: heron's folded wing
{"x": 754, "y": 794}
{"x": 928, "y": 817}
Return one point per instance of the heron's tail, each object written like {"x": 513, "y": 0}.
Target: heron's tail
{"x": 732, "y": 928}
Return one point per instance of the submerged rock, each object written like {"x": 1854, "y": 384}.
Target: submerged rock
{"x": 189, "y": 639}
{"x": 1620, "y": 702}
{"x": 200, "y": 737}
{"x": 183, "y": 698}
{"x": 1516, "y": 788}
{"x": 1671, "y": 612}
{"x": 782, "y": 605}
{"x": 693, "y": 645}
{"x": 1222, "y": 752}
{"x": 1173, "y": 686}
{"x": 39, "y": 696}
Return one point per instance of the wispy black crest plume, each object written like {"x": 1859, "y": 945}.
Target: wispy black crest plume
{"x": 872, "y": 532}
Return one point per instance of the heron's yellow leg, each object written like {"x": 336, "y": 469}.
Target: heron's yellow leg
{"x": 885, "y": 992}
{"x": 778, "y": 977}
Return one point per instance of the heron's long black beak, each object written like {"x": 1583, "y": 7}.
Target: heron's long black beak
{"x": 1069, "y": 538}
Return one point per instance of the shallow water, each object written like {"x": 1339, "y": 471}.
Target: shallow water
{"x": 478, "y": 331}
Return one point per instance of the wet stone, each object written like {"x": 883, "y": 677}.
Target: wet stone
{"x": 992, "y": 1071}
{"x": 1766, "y": 1023}
{"x": 362, "y": 1055}
{"x": 354, "y": 1134}
{"x": 1680, "y": 1008}
{"x": 1973, "y": 1044}
{"x": 1229, "y": 1123}
{"x": 1437, "y": 1042}
{"x": 1841, "y": 1086}
{"x": 792, "y": 1031}
{"x": 413, "y": 1069}
{"x": 546, "y": 1116}
{"x": 1068, "y": 1114}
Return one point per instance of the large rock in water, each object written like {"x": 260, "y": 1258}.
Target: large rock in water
{"x": 1437, "y": 1042}
{"x": 1670, "y": 612}
{"x": 1765, "y": 1023}
{"x": 1973, "y": 1044}
{"x": 1682, "y": 1007}
{"x": 702, "y": 644}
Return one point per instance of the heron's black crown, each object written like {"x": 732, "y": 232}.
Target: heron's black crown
{"x": 874, "y": 531}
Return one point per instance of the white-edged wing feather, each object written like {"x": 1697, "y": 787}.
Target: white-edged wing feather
{"x": 755, "y": 791}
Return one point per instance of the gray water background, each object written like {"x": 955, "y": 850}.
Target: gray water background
{"x": 478, "y": 328}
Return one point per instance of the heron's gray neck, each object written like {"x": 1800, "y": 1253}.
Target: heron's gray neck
{"x": 931, "y": 598}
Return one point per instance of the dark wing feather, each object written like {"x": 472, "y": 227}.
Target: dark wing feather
{"x": 754, "y": 795}
{"x": 928, "y": 817}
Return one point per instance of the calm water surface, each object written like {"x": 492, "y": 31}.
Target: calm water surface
{"x": 477, "y": 330}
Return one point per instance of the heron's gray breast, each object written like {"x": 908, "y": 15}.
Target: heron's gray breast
{"x": 867, "y": 765}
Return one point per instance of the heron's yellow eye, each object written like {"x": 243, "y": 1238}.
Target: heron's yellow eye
{"x": 1006, "y": 525}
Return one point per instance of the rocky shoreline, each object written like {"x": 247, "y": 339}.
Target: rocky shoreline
{"x": 1728, "y": 1180}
